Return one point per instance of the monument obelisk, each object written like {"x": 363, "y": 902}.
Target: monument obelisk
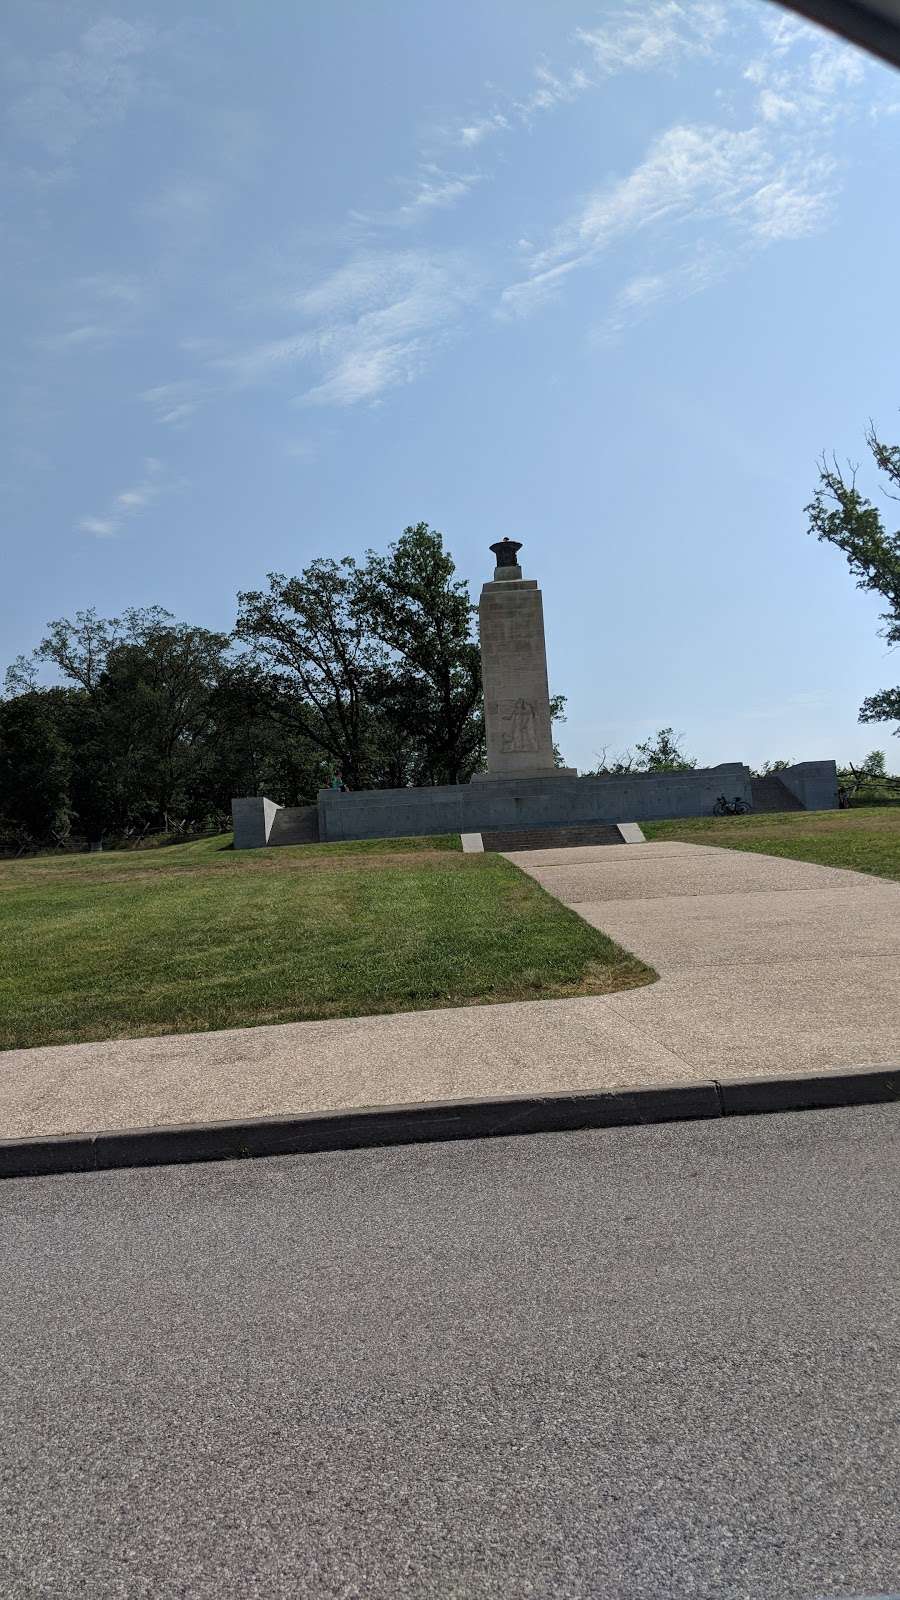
{"x": 514, "y": 673}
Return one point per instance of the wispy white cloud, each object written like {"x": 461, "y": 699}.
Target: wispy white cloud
{"x": 550, "y": 89}
{"x": 103, "y": 308}
{"x": 473, "y": 133}
{"x": 67, "y": 94}
{"x": 715, "y": 190}
{"x": 127, "y": 503}
{"x": 175, "y": 403}
{"x": 369, "y": 326}
{"x": 633, "y": 38}
{"x": 431, "y": 189}
{"x": 435, "y": 190}
{"x": 782, "y": 30}
{"x": 640, "y": 295}
{"x": 705, "y": 195}
{"x": 814, "y": 89}
{"x": 421, "y": 297}
{"x": 262, "y": 362}
{"x": 84, "y": 333}
{"x": 553, "y": 89}
{"x": 688, "y": 172}
{"x": 654, "y": 37}
{"x": 182, "y": 205}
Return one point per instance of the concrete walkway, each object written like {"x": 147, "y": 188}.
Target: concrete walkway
{"x": 766, "y": 966}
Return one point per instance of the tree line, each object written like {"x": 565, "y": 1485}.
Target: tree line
{"x": 367, "y": 668}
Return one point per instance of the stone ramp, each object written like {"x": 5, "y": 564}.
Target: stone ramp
{"x": 562, "y": 838}
{"x": 295, "y": 825}
{"x": 770, "y": 794}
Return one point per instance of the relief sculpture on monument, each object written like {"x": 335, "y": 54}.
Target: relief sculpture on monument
{"x": 519, "y": 730}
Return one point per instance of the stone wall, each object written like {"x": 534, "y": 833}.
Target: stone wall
{"x": 813, "y": 782}
{"x": 559, "y": 801}
{"x": 252, "y": 818}
{"x": 527, "y": 802}
{"x": 257, "y": 822}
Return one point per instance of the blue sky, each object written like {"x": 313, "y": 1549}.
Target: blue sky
{"x": 283, "y": 278}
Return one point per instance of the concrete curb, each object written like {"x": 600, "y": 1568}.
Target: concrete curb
{"x": 452, "y": 1119}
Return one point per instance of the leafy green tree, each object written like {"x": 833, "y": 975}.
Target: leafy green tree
{"x": 840, "y": 515}
{"x": 35, "y": 768}
{"x": 311, "y": 637}
{"x": 875, "y": 765}
{"x": 420, "y": 612}
{"x": 155, "y": 700}
{"x": 138, "y": 715}
{"x": 778, "y": 765}
{"x": 374, "y": 666}
{"x": 257, "y": 747}
{"x": 558, "y": 714}
{"x": 659, "y": 752}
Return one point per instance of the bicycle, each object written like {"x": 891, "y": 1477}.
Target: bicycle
{"x": 731, "y": 808}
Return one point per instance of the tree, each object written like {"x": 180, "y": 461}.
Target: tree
{"x": 137, "y": 718}
{"x": 35, "y": 768}
{"x": 80, "y": 649}
{"x": 558, "y": 714}
{"x": 374, "y": 666}
{"x": 659, "y": 752}
{"x": 311, "y": 636}
{"x": 421, "y": 613}
{"x": 154, "y": 699}
{"x": 256, "y": 749}
{"x": 840, "y": 515}
{"x": 778, "y": 765}
{"x": 875, "y": 765}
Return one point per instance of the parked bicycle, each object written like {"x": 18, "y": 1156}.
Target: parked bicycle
{"x": 731, "y": 808}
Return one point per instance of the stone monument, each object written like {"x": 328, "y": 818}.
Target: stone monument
{"x": 522, "y": 788}
{"x": 514, "y": 673}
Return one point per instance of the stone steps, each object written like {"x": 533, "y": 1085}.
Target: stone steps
{"x": 770, "y": 794}
{"x": 551, "y": 838}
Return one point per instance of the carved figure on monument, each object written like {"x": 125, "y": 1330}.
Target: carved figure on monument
{"x": 519, "y": 725}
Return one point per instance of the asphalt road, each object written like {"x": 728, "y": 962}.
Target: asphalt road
{"x": 654, "y": 1362}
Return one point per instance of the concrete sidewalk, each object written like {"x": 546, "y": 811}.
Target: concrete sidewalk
{"x": 766, "y": 966}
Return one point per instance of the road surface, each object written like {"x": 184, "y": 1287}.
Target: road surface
{"x": 645, "y": 1362}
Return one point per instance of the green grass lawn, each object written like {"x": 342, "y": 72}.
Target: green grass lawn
{"x": 196, "y": 936}
{"x": 867, "y": 839}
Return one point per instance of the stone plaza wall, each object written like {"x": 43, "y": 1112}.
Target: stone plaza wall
{"x": 257, "y": 822}
{"x": 252, "y": 818}
{"x": 813, "y": 782}
{"x": 527, "y": 803}
{"x": 516, "y": 803}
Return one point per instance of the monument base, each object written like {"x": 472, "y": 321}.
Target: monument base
{"x": 551, "y": 801}
{"x": 557, "y": 800}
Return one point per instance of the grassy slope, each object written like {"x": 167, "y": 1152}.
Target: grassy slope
{"x": 866, "y": 839}
{"x": 196, "y": 936}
